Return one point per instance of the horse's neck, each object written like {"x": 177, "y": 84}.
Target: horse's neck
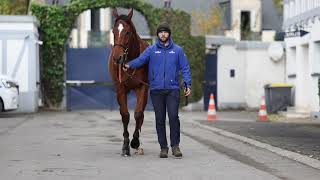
{"x": 134, "y": 49}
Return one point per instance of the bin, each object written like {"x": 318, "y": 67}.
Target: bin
{"x": 278, "y": 97}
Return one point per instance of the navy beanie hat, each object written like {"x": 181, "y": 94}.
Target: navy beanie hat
{"x": 164, "y": 27}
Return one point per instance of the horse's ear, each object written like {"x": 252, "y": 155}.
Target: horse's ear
{"x": 130, "y": 14}
{"x": 115, "y": 13}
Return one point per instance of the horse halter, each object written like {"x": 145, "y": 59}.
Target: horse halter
{"x": 122, "y": 60}
{"x": 124, "y": 57}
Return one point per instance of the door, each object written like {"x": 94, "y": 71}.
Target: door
{"x": 210, "y": 83}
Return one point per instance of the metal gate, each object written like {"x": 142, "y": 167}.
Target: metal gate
{"x": 89, "y": 85}
{"x": 210, "y": 83}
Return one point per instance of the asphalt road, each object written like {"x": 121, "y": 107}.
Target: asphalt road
{"x": 302, "y": 138}
{"x": 87, "y": 145}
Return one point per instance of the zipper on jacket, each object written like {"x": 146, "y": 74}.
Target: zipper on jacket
{"x": 164, "y": 69}
{"x": 152, "y": 75}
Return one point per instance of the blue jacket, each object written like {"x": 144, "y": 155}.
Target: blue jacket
{"x": 165, "y": 65}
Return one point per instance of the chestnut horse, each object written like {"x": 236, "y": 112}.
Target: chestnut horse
{"x": 127, "y": 46}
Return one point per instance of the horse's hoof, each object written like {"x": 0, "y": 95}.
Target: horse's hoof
{"x": 139, "y": 151}
{"x": 135, "y": 143}
{"x": 125, "y": 152}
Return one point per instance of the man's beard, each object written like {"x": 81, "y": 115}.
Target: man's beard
{"x": 164, "y": 40}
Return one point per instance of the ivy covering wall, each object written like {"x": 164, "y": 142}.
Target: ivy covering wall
{"x": 56, "y": 23}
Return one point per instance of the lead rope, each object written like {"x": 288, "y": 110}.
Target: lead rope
{"x": 119, "y": 73}
{"x": 131, "y": 77}
{"x": 121, "y": 65}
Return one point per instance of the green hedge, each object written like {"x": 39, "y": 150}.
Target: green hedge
{"x": 57, "y": 22}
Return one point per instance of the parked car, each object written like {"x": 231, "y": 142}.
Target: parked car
{"x": 9, "y": 94}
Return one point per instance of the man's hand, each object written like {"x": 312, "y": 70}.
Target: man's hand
{"x": 125, "y": 67}
{"x": 187, "y": 92}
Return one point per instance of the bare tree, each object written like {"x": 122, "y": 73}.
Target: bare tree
{"x": 14, "y": 7}
{"x": 211, "y": 22}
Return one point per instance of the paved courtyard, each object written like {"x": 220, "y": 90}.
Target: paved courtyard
{"x": 87, "y": 145}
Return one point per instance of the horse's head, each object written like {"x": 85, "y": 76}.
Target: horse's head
{"x": 123, "y": 30}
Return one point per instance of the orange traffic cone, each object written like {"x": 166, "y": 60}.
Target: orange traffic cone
{"x": 263, "y": 110}
{"x": 212, "y": 115}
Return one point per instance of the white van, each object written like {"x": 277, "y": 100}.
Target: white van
{"x": 9, "y": 94}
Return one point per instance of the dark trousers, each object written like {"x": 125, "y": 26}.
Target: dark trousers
{"x": 166, "y": 100}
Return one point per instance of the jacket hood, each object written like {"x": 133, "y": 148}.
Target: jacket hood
{"x": 160, "y": 45}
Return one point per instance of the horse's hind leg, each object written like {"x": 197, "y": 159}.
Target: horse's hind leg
{"x": 125, "y": 116}
{"x": 142, "y": 98}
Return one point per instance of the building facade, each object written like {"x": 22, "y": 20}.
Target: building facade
{"x": 302, "y": 27}
{"x": 251, "y": 19}
{"x": 89, "y": 25}
{"x": 19, "y": 58}
{"x": 244, "y": 68}
{"x": 245, "y": 18}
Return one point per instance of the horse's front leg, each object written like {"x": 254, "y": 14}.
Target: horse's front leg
{"x": 125, "y": 116}
{"x": 142, "y": 98}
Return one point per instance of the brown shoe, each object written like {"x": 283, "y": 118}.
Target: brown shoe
{"x": 164, "y": 153}
{"x": 176, "y": 152}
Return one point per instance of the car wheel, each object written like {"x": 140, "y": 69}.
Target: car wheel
{"x": 1, "y": 105}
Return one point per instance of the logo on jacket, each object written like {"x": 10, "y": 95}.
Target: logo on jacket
{"x": 172, "y": 52}
{"x": 157, "y": 52}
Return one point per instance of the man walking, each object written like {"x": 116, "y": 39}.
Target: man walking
{"x": 166, "y": 61}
